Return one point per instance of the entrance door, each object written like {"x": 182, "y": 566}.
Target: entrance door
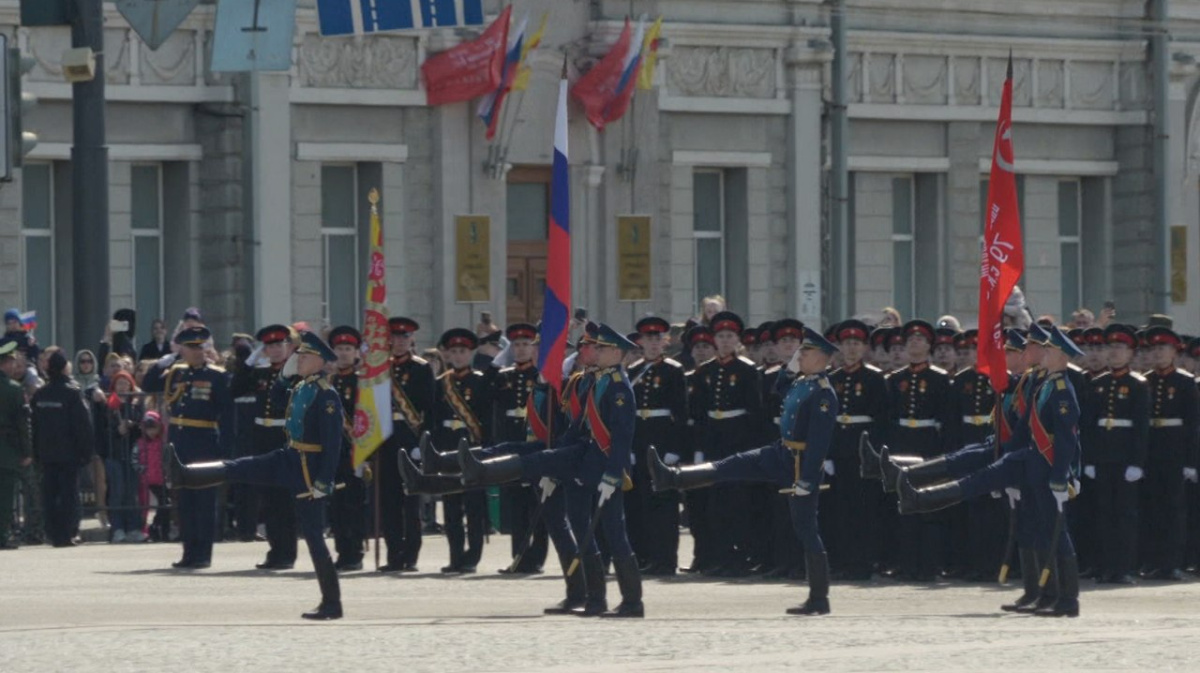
{"x": 528, "y": 228}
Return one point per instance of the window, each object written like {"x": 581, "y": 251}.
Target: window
{"x": 903, "y": 260}
{"x": 528, "y": 211}
{"x": 708, "y": 231}
{"x": 1069, "y": 242}
{"x": 340, "y": 244}
{"x": 37, "y": 247}
{"x": 146, "y": 234}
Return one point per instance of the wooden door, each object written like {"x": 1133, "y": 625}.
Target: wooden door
{"x": 528, "y": 222}
{"x": 525, "y": 283}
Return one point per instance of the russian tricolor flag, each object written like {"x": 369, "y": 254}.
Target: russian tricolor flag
{"x": 489, "y": 107}
{"x": 630, "y": 70}
{"x": 29, "y": 320}
{"x": 557, "y": 306}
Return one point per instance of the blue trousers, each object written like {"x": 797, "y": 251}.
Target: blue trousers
{"x": 969, "y": 459}
{"x": 197, "y": 508}
{"x": 281, "y": 468}
{"x": 578, "y": 469}
{"x": 776, "y": 464}
{"x": 554, "y": 512}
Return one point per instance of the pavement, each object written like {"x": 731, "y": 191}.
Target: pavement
{"x": 109, "y": 607}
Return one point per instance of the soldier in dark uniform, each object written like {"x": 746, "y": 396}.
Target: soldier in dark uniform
{"x": 245, "y": 497}
{"x": 1115, "y": 430}
{"x": 260, "y": 376}
{"x": 786, "y": 556}
{"x": 767, "y": 508}
{"x": 1171, "y": 458}
{"x": 878, "y": 353}
{"x": 749, "y": 339}
{"x": 945, "y": 352}
{"x": 200, "y": 407}
{"x": 662, "y": 415}
{"x": 462, "y": 409}
{"x": 862, "y": 398}
{"x": 513, "y": 387}
{"x": 897, "y": 349}
{"x": 412, "y": 411}
{"x": 1192, "y": 497}
{"x": 728, "y": 392}
{"x": 348, "y": 506}
{"x": 306, "y": 466}
{"x": 699, "y": 340}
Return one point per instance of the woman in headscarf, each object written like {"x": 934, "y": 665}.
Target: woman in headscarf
{"x": 85, "y": 370}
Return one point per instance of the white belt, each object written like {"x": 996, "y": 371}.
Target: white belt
{"x": 397, "y": 416}
{"x": 271, "y": 422}
{"x": 1166, "y": 422}
{"x": 845, "y": 419}
{"x": 977, "y": 420}
{"x": 517, "y": 413}
{"x": 1110, "y": 423}
{"x": 653, "y": 413}
{"x": 728, "y": 413}
{"x": 917, "y": 423}
{"x": 454, "y": 425}
{"x": 776, "y": 420}
{"x": 248, "y": 399}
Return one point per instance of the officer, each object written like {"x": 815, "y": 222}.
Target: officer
{"x": 462, "y": 409}
{"x": 699, "y": 340}
{"x": 1172, "y": 457}
{"x": 348, "y": 505}
{"x": 862, "y": 397}
{"x": 412, "y": 411}
{"x": 795, "y": 461}
{"x": 16, "y": 451}
{"x": 730, "y": 395}
{"x": 598, "y": 463}
{"x": 1116, "y": 429}
{"x": 305, "y": 467}
{"x": 260, "y": 376}
{"x": 200, "y": 406}
{"x": 662, "y": 414}
{"x": 513, "y": 388}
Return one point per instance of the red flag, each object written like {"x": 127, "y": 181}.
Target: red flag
{"x": 469, "y": 70}
{"x": 599, "y": 86}
{"x": 1003, "y": 257}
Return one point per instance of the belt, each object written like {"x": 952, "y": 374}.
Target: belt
{"x": 917, "y": 423}
{"x": 777, "y": 420}
{"x": 193, "y": 423}
{"x": 1166, "y": 422}
{"x": 728, "y": 413}
{"x": 977, "y": 420}
{"x": 305, "y": 447}
{"x": 1110, "y": 423}
{"x": 846, "y": 419}
{"x": 653, "y": 413}
{"x": 454, "y": 425}
{"x": 245, "y": 399}
{"x": 271, "y": 422}
{"x": 793, "y": 445}
{"x": 517, "y": 413}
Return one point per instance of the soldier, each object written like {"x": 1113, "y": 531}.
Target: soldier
{"x": 699, "y": 340}
{"x": 462, "y": 409}
{"x": 200, "y": 407}
{"x": 878, "y": 354}
{"x": 1171, "y": 458}
{"x": 729, "y": 394}
{"x": 245, "y": 497}
{"x": 306, "y": 466}
{"x": 348, "y": 506}
{"x": 749, "y": 339}
{"x": 16, "y": 450}
{"x": 897, "y": 350}
{"x": 412, "y": 410}
{"x": 513, "y": 387}
{"x": 945, "y": 353}
{"x": 780, "y": 552}
{"x": 1115, "y": 432}
{"x": 795, "y": 461}
{"x": 259, "y": 375}
{"x": 662, "y": 415}
{"x": 1192, "y": 559}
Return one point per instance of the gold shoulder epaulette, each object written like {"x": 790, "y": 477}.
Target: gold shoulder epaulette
{"x": 1061, "y": 384}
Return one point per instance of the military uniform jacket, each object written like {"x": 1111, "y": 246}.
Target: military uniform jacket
{"x": 1174, "y": 418}
{"x": 15, "y": 443}
{"x": 609, "y": 414}
{"x": 919, "y": 409}
{"x": 862, "y": 402}
{"x": 412, "y": 398}
{"x": 691, "y": 445}
{"x": 772, "y": 402}
{"x": 810, "y": 410}
{"x": 729, "y": 394}
{"x": 314, "y": 429}
{"x": 462, "y": 408}
{"x": 512, "y": 389}
{"x": 662, "y": 405}
{"x": 1117, "y": 419}
{"x": 1018, "y": 400}
{"x": 345, "y": 384}
{"x": 1053, "y": 426}
{"x": 199, "y": 405}
{"x": 574, "y": 399}
{"x": 974, "y": 401}
{"x": 270, "y": 392}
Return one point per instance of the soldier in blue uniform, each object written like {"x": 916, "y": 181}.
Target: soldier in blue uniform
{"x": 796, "y": 461}
{"x": 306, "y": 466}
{"x": 600, "y": 462}
{"x": 200, "y": 409}
{"x": 348, "y": 506}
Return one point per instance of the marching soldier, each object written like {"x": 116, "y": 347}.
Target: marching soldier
{"x": 348, "y": 506}
{"x": 200, "y": 407}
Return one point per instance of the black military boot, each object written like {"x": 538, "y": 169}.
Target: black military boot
{"x": 891, "y": 467}
{"x": 913, "y": 501}
{"x": 432, "y": 462}
{"x": 1048, "y": 590}
{"x": 331, "y": 592}
{"x": 489, "y": 472}
{"x": 1067, "y": 603}
{"x": 1029, "y": 578}
{"x": 629, "y": 579}
{"x": 818, "y": 586}
{"x": 576, "y": 589}
{"x": 868, "y": 460}
{"x": 196, "y": 475}
{"x": 927, "y": 472}
{"x": 593, "y": 575}
{"x": 416, "y": 483}
{"x": 664, "y": 478}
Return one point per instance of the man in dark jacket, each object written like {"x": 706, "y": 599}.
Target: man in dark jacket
{"x": 62, "y": 443}
{"x": 14, "y": 437}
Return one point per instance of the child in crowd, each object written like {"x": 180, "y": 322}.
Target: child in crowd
{"x": 153, "y": 491}
{"x": 124, "y": 414}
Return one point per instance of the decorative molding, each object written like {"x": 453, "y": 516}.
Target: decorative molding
{"x": 946, "y": 113}
{"x": 173, "y": 63}
{"x": 124, "y": 152}
{"x": 898, "y": 164}
{"x": 722, "y": 72}
{"x": 381, "y": 62}
{"x": 1051, "y": 82}
{"x": 720, "y": 159}
{"x": 1064, "y": 167}
{"x": 750, "y": 106}
{"x": 378, "y": 97}
{"x": 926, "y": 79}
{"x": 141, "y": 94}
{"x": 382, "y": 152}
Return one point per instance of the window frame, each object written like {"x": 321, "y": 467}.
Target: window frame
{"x": 1076, "y": 240}
{"x": 352, "y": 230}
{"x": 910, "y": 238}
{"x": 156, "y": 233}
{"x": 719, "y": 235}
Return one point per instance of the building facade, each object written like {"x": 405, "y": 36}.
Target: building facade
{"x": 246, "y": 194}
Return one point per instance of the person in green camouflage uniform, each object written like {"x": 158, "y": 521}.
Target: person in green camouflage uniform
{"x": 15, "y": 450}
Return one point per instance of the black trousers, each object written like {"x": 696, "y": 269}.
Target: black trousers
{"x": 279, "y": 514}
{"x": 523, "y": 502}
{"x": 60, "y": 497}
{"x": 400, "y": 514}
{"x": 1116, "y": 519}
{"x": 1163, "y": 529}
{"x": 853, "y": 508}
{"x": 466, "y": 544}
{"x": 348, "y": 519}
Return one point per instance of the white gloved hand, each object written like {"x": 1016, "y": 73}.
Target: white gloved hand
{"x": 699, "y": 457}
{"x": 996, "y": 495}
{"x": 1190, "y": 474}
{"x": 606, "y": 491}
{"x": 793, "y": 365}
{"x": 1014, "y": 496}
{"x": 1089, "y": 471}
{"x": 1133, "y": 473}
{"x": 320, "y": 490}
{"x": 671, "y": 459}
{"x": 1060, "y": 496}
{"x": 416, "y": 454}
{"x": 290, "y": 367}
{"x": 167, "y": 360}
{"x": 828, "y": 467}
{"x": 802, "y": 489}
{"x": 255, "y": 356}
{"x": 547, "y": 485}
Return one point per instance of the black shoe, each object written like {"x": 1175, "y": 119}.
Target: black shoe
{"x": 349, "y": 566}
{"x": 626, "y": 610}
{"x": 201, "y": 565}
{"x": 1121, "y": 579}
{"x": 391, "y": 568}
{"x": 1063, "y": 607}
{"x": 182, "y": 564}
{"x": 409, "y": 568}
{"x": 660, "y": 570}
{"x": 776, "y": 573}
{"x": 913, "y": 501}
{"x": 451, "y": 570}
{"x": 467, "y": 570}
{"x": 64, "y": 543}
{"x": 325, "y": 611}
{"x": 564, "y": 607}
{"x": 1175, "y": 575}
{"x": 591, "y": 608}
{"x": 274, "y": 565}
{"x": 811, "y": 607}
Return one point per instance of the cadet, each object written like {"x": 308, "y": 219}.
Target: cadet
{"x": 786, "y": 558}
{"x": 699, "y": 340}
{"x": 348, "y": 506}
{"x": 795, "y": 461}
{"x": 306, "y": 466}
{"x": 945, "y": 353}
{"x": 200, "y": 406}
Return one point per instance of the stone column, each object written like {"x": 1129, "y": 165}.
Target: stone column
{"x": 271, "y": 175}
{"x": 804, "y": 189}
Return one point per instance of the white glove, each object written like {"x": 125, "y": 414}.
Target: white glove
{"x": 699, "y": 457}
{"x": 290, "y": 367}
{"x": 671, "y": 459}
{"x": 1089, "y": 471}
{"x": 547, "y": 485}
{"x": 166, "y": 360}
{"x": 828, "y": 467}
{"x": 255, "y": 356}
{"x": 1133, "y": 473}
{"x": 1189, "y": 474}
{"x": 996, "y": 495}
{"x": 606, "y": 491}
{"x": 793, "y": 365}
{"x": 802, "y": 489}
{"x": 320, "y": 490}
{"x": 1060, "y": 497}
{"x": 1014, "y": 496}
{"x": 632, "y": 460}
{"x": 416, "y": 454}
